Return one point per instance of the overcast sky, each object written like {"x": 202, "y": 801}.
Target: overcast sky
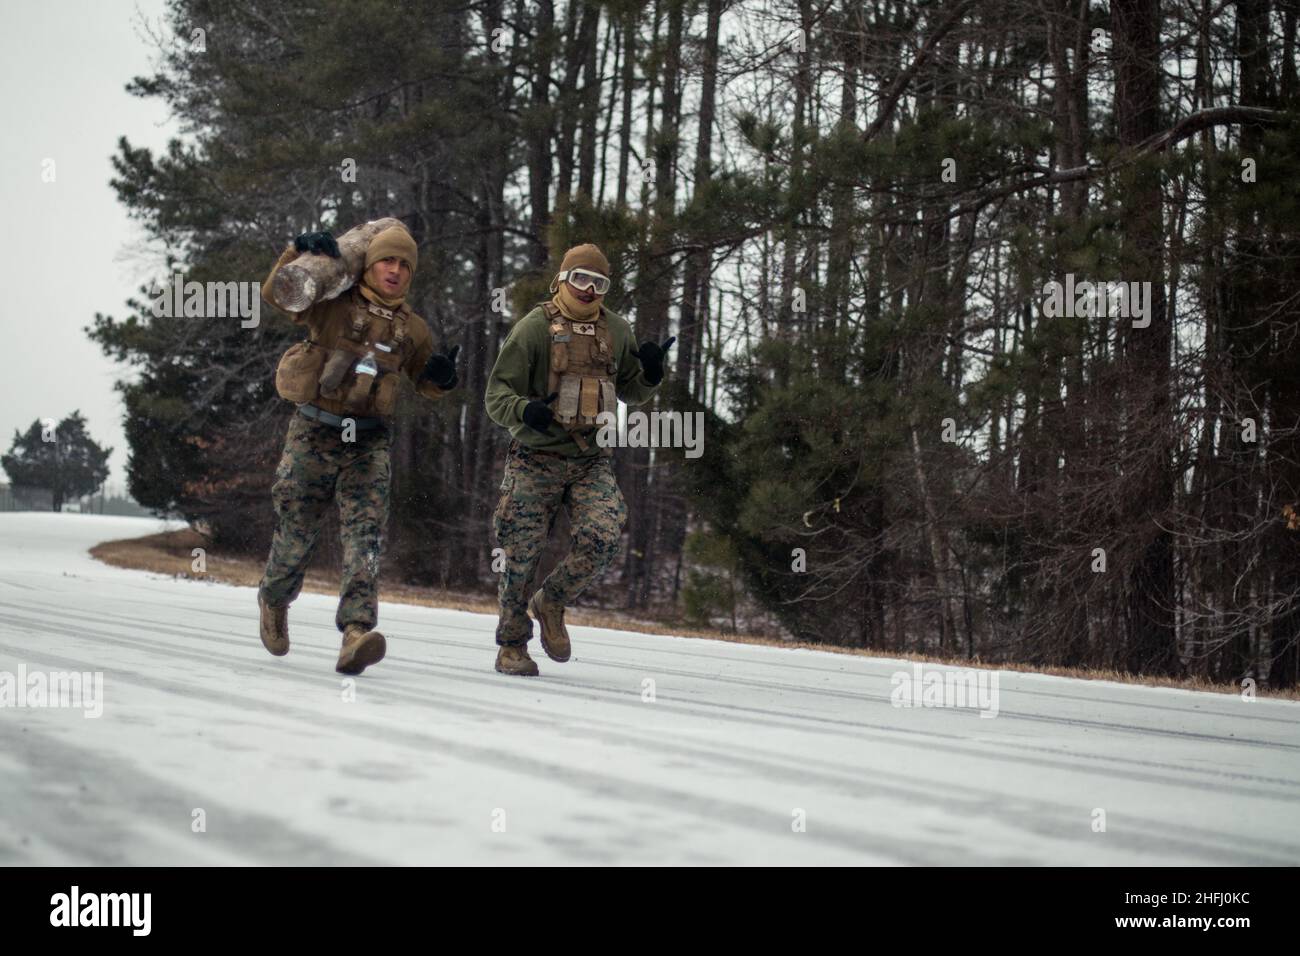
{"x": 67, "y": 249}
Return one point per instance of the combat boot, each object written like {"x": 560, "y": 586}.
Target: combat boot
{"x": 555, "y": 636}
{"x": 514, "y": 659}
{"x": 361, "y": 648}
{"x": 274, "y": 626}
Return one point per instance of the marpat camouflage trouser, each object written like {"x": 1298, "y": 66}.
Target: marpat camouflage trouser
{"x": 534, "y": 487}
{"x": 317, "y": 467}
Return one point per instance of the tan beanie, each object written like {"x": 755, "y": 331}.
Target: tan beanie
{"x": 393, "y": 241}
{"x": 586, "y": 256}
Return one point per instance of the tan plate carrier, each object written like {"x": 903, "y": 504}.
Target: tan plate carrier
{"x": 308, "y": 370}
{"x": 582, "y": 372}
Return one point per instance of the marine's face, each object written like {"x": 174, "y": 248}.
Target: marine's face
{"x": 390, "y": 276}
{"x": 582, "y": 295}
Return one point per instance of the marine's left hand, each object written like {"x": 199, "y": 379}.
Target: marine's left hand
{"x": 652, "y": 359}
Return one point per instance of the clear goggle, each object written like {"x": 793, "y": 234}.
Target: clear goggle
{"x": 582, "y": 279}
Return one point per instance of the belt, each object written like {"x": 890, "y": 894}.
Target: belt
{"x": 308, "y": 410}
{"x": 519, "y": 448}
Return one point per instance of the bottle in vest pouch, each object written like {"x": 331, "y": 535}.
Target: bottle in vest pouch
{"x": 366, "y": 371}
{"x": 582, "y": 371}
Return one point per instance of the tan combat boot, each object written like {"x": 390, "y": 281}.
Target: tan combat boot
{"x": 361, "y": 648}
{"x": 514, "y": 659}
{"x": 274, "y": 628}
{"x": 555, "y": 636}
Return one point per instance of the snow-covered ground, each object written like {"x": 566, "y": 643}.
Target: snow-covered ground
{"x": 743, "y": 755}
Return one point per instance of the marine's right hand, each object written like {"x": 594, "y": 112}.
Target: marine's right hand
{"x": 538, "y": 415}
{"x": 320, "y": 243}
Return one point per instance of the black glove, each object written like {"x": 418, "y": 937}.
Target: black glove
{"x": 442, "y": 369}
{"x": 538, "y": 415}
{"x": 320, "y": 243}
{"x": 652, "y": 359}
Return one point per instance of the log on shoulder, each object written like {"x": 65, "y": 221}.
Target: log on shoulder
{"x": 309, "y": 279}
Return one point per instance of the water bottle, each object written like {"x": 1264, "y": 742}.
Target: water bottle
{"x": 359, "y": 394}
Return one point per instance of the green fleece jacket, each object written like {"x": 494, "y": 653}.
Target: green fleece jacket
{"x": 523, "y": 369}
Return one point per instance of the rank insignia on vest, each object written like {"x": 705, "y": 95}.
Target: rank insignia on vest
{"x": 584, "y": 328}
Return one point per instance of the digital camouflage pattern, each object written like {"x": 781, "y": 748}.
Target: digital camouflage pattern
{"x": 535, "y": 485}
{"x": 316, "y": 467}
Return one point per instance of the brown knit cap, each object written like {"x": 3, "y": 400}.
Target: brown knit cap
{"x": 586, "y": 256}
{"x": 393, "y": 241}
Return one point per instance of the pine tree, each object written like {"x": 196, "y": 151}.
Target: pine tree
{"x": 63, "y": 459}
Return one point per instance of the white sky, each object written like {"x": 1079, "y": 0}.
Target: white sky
{"x": 68, "y": 249}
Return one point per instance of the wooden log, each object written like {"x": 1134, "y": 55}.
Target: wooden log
{"x": 309, "y": 279}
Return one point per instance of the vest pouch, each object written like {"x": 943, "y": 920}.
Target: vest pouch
{"x": 566, "y": 406}
{"x": 389, "y": 360}
{"x": 386, "y": 393}
{"x": 358, "y": 395}
{"x": 560, "y": 355}
{"x": 589, "y": 403}
{"x": 336, "y": 367}
{"x": 298, "y": 372}
{"x": 608, "y": 400}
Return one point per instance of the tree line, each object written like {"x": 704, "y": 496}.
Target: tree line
{"x": 852, "y": 216}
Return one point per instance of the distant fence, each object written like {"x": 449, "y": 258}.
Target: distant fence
{"x": 25, "y": 499}
{"x": 42, "y": 499}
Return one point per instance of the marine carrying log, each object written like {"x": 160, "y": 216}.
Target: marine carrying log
{"x": 309, "y": 279}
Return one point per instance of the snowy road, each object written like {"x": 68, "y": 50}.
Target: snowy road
{"x": 745, "y": 754}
